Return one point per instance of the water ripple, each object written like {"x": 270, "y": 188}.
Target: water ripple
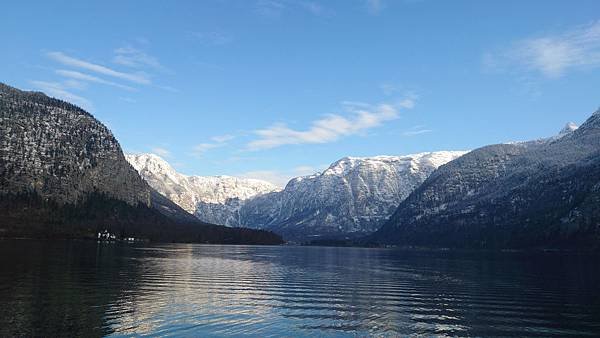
{"x": 83, "y": 288}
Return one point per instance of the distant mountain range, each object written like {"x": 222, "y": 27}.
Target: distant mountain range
{"x": 540, "y": 193}
{"x": 63, "y": 174}
{"x": 543, "y": 193}
{"x": 351, "y": 198}
{"x": 214, "y": 199}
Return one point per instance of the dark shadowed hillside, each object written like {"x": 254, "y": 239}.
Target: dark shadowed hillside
{"x": 63, "y": 174}
{"x": 542, "y": 193}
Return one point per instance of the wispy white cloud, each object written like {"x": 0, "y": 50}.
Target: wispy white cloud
{"x": 551, "y": 55}
{"x": 270, "y": 8}
{"x": 222, "y": 138}
{"x": 281, "y": 177}
{"x": 392, "y": 89}
{"x": 276, "y": 8}
{"x": 201, "y": 148}
{"x": 272, "y": 176}
{"x": 212, "y": 37}
{"x": 61, "y": 91}
{"x": 417, "y": 130}
{"x": 160, "y": 151}
{"x": 304, "y": 170}
{"x": 359, "y": 118}
{"x": 128, "y": 99}
{"x": 135, "y": 58}
{"x": 388, "y": 88}
{"x": 375, "y": 6}
{"x": 313, "y": 7}
{"x": 90, "y": 78}
{"x": 169, "y": 89}
{"x": 74, "y": 84}
{"x": 67, "y": 60}
{"x": 407, "y": 102}
{"x": 216, "y": 142}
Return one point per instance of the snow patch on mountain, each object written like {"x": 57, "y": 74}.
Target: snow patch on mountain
{"x": 213, "y": 199}
{"x": 352, "y": 197}
{"x": 568, "y": 128}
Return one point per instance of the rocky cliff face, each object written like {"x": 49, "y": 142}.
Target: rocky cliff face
{"x": 61, "y": 152}
{"x": 539, "y": 193}
{"x": 63, "y": 175}
{"x": 213, "y": 199}
{"x": 352, "y": 197}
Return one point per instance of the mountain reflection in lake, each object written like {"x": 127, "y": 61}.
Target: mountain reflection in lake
{"x": 89, "y": 289}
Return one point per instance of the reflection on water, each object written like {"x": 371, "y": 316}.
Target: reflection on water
{"x": 90, "y": 289}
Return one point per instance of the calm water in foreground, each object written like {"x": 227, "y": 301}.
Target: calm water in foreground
{"x": 85, "y": 288}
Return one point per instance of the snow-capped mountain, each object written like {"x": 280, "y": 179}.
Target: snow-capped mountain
{"x": 521, "y": 195}
{"x": 352, "y": 197}
{"x": 213, "y": 199}
{"x": 63, "y": 175}
{"x": 568, "y": 128}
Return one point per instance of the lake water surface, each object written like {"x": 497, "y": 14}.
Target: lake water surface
{"x": 88, "y": 289}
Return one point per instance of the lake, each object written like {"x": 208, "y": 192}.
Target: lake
{"x": 84, "y": 288}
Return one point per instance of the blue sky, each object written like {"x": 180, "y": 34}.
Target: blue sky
{"x": 277, "y": 88}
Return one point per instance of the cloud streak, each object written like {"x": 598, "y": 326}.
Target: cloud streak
{"x": 360, "y": 117}
{"x": 213, "y": 37}
{"x": 90, "y": 78}
{"x": 375, "y": 6}
{"x": 276, "y": 8}
{"x": 417, "y": 130}
{"x": 161, "y": 151}
{"x": 67, "y": 60}
{"x": 216, "y": 142}
{"x": 552, "y": 55}
{"x": 60, "y": 91}
{"x": 281, "y": 177}
{"x": 135, "y": 58}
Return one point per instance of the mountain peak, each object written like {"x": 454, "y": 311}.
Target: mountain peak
{"x": 592, "y": 121}
{"x": 352, "y": 197}
{"x": 153, "y": 163}
{"x": 194, "y": 192}
{"x": 568, "y": 128}
{"x": 62, "y": 152}
{"x": 436, "y": 158}
{"x": 149, "y": 157}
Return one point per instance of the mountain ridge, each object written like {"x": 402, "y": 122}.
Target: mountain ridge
{"x": 63, "y": 175}
{"x": 348, "y": 199}
{"x": 368, "y": 189}
{"x": 508, "y": 196}
{"x": 213, "y": 199}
